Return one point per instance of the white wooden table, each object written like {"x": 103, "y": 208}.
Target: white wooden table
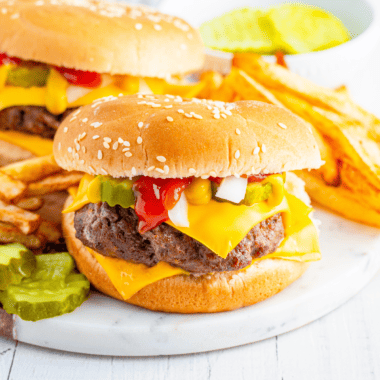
{"x": 345, "y": 344}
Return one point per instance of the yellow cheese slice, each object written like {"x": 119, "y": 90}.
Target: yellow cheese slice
{"x": 300, "y": 244}
{"x": 33, "y": 143}
{"x": 18, "y": 96}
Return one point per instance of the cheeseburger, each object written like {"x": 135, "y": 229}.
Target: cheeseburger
{"x": 57, "y": 55}
{"x": 185, "y": 205}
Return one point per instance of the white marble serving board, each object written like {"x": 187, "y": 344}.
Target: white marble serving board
{"x": 103, "y": 326}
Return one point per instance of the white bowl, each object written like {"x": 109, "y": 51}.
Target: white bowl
{"x": 331, "y": 67}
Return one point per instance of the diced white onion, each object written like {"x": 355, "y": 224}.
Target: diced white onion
{"x": 144, "y": 88}
{"x": 178, "y": 214}
{"x": 232, "y": 189}
{"x": 76, "y": 92}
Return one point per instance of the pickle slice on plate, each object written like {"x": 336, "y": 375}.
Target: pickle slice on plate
{"x": 16, "y": 262}
{"x": 52, "y": 290}
{"x": 257, "y": 192}
{"x": 25, "y": 76}
{"x": 117, "y": 191}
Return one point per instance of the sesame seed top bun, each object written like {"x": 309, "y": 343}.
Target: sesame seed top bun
{"x": 169, "y": 137}
{"x": 99, "y": 36}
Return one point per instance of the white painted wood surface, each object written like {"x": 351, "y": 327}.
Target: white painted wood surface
{"x": 344, "y": 345}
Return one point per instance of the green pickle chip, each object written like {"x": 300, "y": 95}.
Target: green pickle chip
{"x": 256, "y": 192}
{"x": 117, "y": 191}
{"x": 27, "y": 76}
{"x": 290, "y": 28}
{"x": 16, "y": 262}
{"x": 53, "y": 289}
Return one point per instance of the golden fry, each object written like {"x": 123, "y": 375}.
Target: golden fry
{"x": 11, "y": 189}
{"x": 30, "y": 204}
{"x": 10, "y": 234}
{"x": 213, "y": 80}
{"x": 25, "y": 221}
{"x": 54, "y": 183}
{"x": 50, "y": 232}
{"x": 32, "y": 170}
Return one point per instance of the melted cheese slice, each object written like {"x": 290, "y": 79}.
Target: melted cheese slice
{"x": 33, "y": 143}
{"x": 300, "y": 244}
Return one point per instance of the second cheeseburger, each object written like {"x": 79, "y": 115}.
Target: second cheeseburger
{"x": 185, "y": 205}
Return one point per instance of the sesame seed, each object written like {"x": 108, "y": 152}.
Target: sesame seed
{"x": 59, "y": 146}
{"x": 237, "y": 154}
{"x": 181, "y": 111}
{"x": 140, "y": 124}
{"x": 125, "y": 150}
{"x": 120, "y": 140}
{"x": 160, "y": 170}
{"x": 169, "y": 118}
{"x": 256, "y": 150}
{"x": 85, "y": 120}
{"x": 100, "y": 154}
{"x": 223, "y": 115}
{"x": 228, "y": 112}
{"x": 142, "y": 102}
{"x": 139, "y": 96}
{"x": 15, "y": 15}
{"x": 126, "y": 143}
{"x": 196, "y": 116}
{"x": 237, "y": 131}
{"x": 134, "y": 172}
{"x": 157, "y": 27}
{"x": 65, "y": 130}
{"x": 4, "y": 11}
{"x": 77, "y": 146}
{"x": 151, "y": 168}
{"x": 69, "y": 149}
{"x": 265, "y": 171}
{"x": 188, "y": 115}
{"x": 209, "y": 107}
{"x": 166, "y": 169}
{"x": 103, "y": 171}
{"x": 95, "y": 137}
{"x": 107, "y": 139}
{"x": 170, "y": 96}
{"x": 81, "y": 162}
{"x": 212, "y": 174}
{"x": 128, "y": 154}
{"x": 216, "y": 116}
{"x": 263, "y": 148}
{"x": 139, "y": 140}
{"x": 169, "y": 106}
{"x": 72, "y": 119}
{"x": 83, "y": 149}
{"x": 91, "y": 169}
{"x": 138, "y": 26}
{"x": 106, "y": 145}
{"x": 192, "y": 171}
{"x": 167, "y": 100}
{"x": 282, "y": 125}
{"x": 96, "y": 124}
{"x": 161, "y": 158}
{"x": 115, "y": 145}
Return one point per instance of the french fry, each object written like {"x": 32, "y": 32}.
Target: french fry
{"x": 25, "y": 221}
{"x": 213, "y": 81}
{"x": 10, "y": 234}
{"x": 53, "y": 183}
{"x": 49, "y": 231}
{"x": 11, "y": 189}
{"x": 30, "y": 204}
{"x": 32, "y": 170}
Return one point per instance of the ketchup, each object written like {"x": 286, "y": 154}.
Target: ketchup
{"x": 154, "y": 198}
{"x": 5, "y": 59}
{"x": 88, "y": 79}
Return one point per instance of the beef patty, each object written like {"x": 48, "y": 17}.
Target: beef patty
{"x": 112, "y": 231}
{"x": 31, "y": 119}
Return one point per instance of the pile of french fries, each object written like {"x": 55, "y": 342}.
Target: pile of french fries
{"x": 347, "y": 135}
{"x": 22, "y": 187}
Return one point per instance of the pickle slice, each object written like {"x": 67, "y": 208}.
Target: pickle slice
{"x": 16, "y": 262}
{"x": 117, "y": 191}
{"x": 257, "y": 192}
{"x": 24, "y": 76}
{"x": 52, "y": 290}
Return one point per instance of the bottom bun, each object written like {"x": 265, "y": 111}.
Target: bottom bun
{"x": 192, "y": 294}
{"x": 339, "y": 199}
